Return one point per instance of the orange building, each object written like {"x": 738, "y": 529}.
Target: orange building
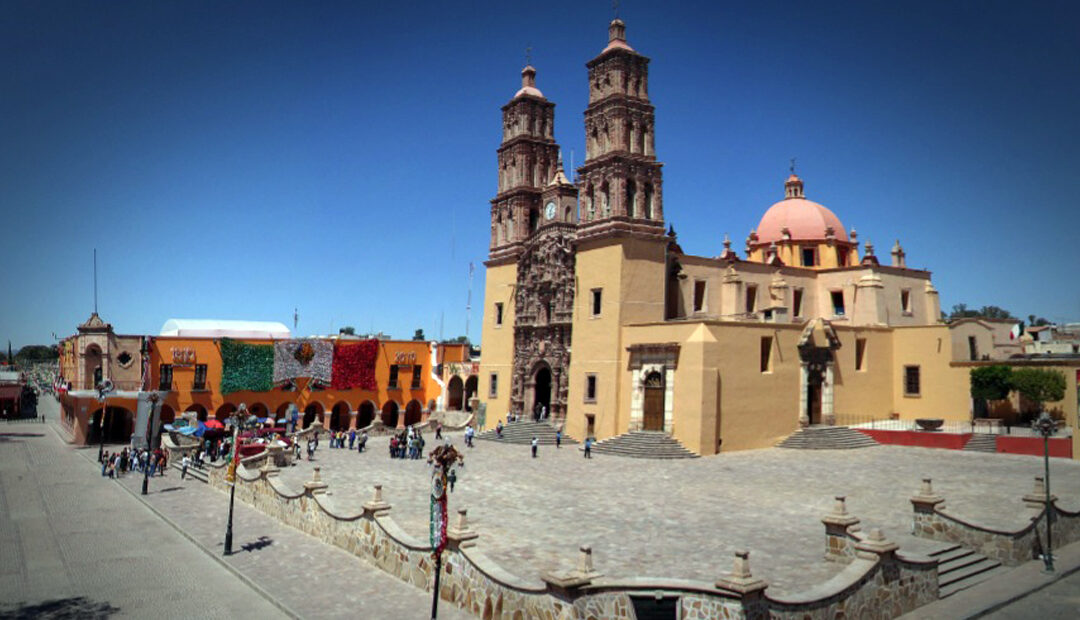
{"x": 186, "y": 367}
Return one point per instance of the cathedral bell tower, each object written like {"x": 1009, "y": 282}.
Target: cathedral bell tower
{"x": 528, "y": 158}
{"x": 620, "y": 182}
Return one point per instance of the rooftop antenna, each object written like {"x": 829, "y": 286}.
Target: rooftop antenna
{"x": 468, "y": 302}
{"x": 95, "y": 280}
{"x": 442, "y": 316}
{"x": 573, "y": 173}
{"x": 295, "y": 318}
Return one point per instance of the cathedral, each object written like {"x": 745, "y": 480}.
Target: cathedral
{"x": 595, "y": 316}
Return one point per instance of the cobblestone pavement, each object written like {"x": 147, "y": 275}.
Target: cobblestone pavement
{"x": 75, "y": 545}
{"x": 686, "y": 518}
{"x": 1058, "y": 600}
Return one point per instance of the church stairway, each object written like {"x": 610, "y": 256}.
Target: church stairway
{"x": 522, "y": 432}
{"x": 643, "y": 445}
{"x": 960, "y": 568}
{"x": 827, "y": 438}
{"x": 980, "y": 442}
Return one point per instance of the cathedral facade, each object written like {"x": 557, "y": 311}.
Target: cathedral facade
{"x": 595, "y": 315}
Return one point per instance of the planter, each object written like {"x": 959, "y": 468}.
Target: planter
{"x": 929, "y": 424}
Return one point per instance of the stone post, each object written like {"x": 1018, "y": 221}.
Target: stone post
{"x": 741, "y": 584}
{"x": 376, "y": 505}
{"x": 459, "y": 533}
{"x": 838, "y": 523}
{"x": 566, "y": 584}
{"x": 315, "y": 486}
{"x": 926, "y": 503}
{"x": 876, "y": 546}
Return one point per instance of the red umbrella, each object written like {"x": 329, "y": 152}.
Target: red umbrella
{"x": 214, "y": 424}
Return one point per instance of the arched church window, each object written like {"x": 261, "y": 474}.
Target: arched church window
{"x": 648, "y": 201}
{"x": 605, "y": 191}
{"x": 534, "y": 220}
{"x": 590, "y": 203}
{"x": 631, "y": 197}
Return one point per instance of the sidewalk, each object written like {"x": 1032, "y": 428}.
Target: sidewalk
{"x": 305, "y": 576}
{"x": 998, "y": 592}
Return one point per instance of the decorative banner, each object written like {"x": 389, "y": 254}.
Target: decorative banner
{"x": 246, "y": 367}
{"x": 354, "y": 365}
{"x": 437, "y": 527}
{"x": 303, "y": 358}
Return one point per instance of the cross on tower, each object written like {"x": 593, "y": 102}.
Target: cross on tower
{"x": 528, "y": 55}
{"x": 615, "y": 8}
{"x": 792, "y": 165}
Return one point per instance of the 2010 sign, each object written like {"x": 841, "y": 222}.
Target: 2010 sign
{"x": 405, "y": 357}
{"x": 183, "y": 356}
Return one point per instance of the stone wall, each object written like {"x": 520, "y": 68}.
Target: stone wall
{"x": 878, "y": 582}
{"x": 1011, "y": 548}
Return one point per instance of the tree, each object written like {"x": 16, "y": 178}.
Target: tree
{"x": 1039, "y": 385}
{"x": 991, "y": 382}
{"x": 459, "y": 340}
{"x": 419, "y": 335}
{"x": 348, "y": 330}
{"x": 37, "y": 353}
{"x": 1037, "y": 321}
{"x": 961, "y": 311}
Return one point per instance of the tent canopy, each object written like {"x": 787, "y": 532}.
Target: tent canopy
{"x": 215, "y": 328}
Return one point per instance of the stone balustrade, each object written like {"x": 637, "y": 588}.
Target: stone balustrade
{"x": 878, "y": 581}
{"x": 1011, "y": 548}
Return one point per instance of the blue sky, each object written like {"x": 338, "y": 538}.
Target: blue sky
{"x": 237, "y": 160}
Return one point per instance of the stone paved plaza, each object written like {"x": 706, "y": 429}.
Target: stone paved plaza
{"x": 685, "y": 519}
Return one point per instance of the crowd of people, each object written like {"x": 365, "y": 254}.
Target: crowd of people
{"x": 349, "y": 440}
{"x": 116, "y": 464}
{"x": 409, "y": 444}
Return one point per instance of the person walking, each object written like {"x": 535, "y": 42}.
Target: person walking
{"x": 184, "y": 464}
{"x": 104, "y": 464}
{"x": 352, "y": 437}
{"x": 588, "y": 447}
{"x": 535, "y": 443}
{"x": 438, "y": 431}
{"x": 363, "y": 442}
{"x": 452, "y": 478}
{"x": 558, "y": 438}
{"x": 498, "y": 429}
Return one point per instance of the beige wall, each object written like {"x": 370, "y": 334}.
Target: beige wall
{"x": 945, "y": 389}
{"x": 497, "y": 340}
{"x": 630, "y": 273}
{"x": 861, "y": 395}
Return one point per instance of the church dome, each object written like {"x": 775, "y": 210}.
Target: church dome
{"x": 528, "y": 84}
{"x": 804, "y": 219}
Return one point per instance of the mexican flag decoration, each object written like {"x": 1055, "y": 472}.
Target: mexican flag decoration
{"x": 303, "y": 358}
{"x": 437, "y": 527}
{"x": 246, "y": 367}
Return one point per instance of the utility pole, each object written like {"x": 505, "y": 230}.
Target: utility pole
{"x": 468, "y": 302}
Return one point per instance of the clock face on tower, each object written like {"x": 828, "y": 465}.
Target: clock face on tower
{"x": 549, "y": 210}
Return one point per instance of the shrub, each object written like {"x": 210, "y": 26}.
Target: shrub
{"x": 991, "y": 382}
{"x": 1039, "y": 385}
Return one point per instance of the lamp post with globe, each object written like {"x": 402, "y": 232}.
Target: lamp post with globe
{"x": 1045, "y": 426}
{"x": 153, "y": 398}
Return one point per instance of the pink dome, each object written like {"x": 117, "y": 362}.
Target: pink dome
{"x": 804, "y": 219}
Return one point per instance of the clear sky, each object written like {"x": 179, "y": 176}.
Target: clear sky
{"x": 238, "y": 160}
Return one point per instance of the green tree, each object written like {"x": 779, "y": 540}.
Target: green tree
{"x": 348, "y": 330}
{"x": 36, "y": 353}
{"x": 994, "y": 312}
{"x": 1039, "y": 385}
{"x": 419, "y": 335}
{"x": 991, "y": 382}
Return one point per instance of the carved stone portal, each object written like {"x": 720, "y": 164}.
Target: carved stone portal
{"x": 544, "y": 310}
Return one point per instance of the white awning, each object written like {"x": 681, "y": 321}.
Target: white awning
{"x": 216, "y": 328}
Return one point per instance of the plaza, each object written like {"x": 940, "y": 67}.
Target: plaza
{"x": 684, "y": 519}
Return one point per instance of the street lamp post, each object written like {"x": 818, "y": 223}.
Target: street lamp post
{"x": 1045, "y": 426}
{"x": 241, "y": 411}
{"x": 103, "y": 389}
{"x": 153, "y": 398}
{"x": 443, "y": 458}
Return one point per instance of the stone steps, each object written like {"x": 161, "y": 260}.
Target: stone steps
{"x": 980, "y": 442}
{"x": 827, "y": 438}
{"x": 522, "y": 432}
{"x": 643, "y": 445}
{"x": 192, "y": 472}
{"x": 960, "y": 568}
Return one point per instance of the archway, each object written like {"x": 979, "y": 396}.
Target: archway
{"x": 412, "y": 412}
{"x": 166, "y": 415}
{"x": 200, "y": 411}
{"x": 390, "y": 414}
{"x": 92, "y": 367}
{"x": 223, "y": 412}
{"x": 653, "y": 411}
{"x": 118, "y": 425}
{"x": 455, "y": 391}
{"x": 259, "y": 410}
{"x": 542, "y": 391}
{"x": 312, "y": 412}
{"x": 339, "y": 416}
{"x": 282, "y": 411}
{"x": 366, "y": 414}
{"x": 470, "y": 390}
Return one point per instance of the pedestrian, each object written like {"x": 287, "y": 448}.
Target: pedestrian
{"x": 310, "y": 449}
{"x": 452, "y": 478}
{"x": 184, "y": 464}
{"x": 363, "y": 442}
{"x": 498, "y": 429}
{"x": 558, "y": 438}
{"x": 104, "y": 464}
{"x": 588, "y": 447}
{"x": 352, "y": 437}
{"x": 438, "y": 431}
{"x": 535, "y": 443}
